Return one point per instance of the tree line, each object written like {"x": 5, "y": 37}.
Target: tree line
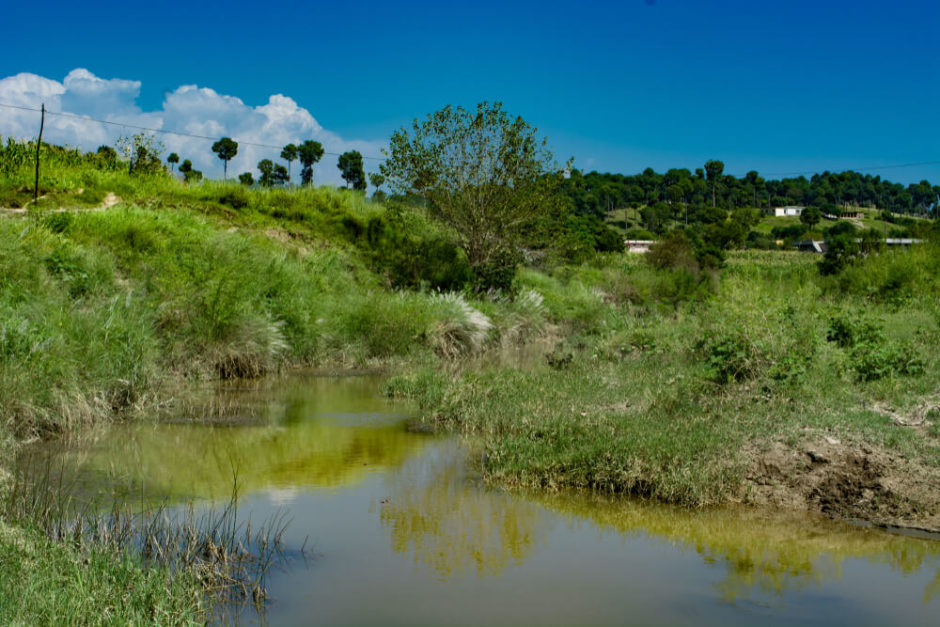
{"x": 273, "y": 174}
{"x": 707, "y": 187}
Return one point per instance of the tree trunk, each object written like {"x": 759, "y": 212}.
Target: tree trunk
{"x": 42, "y": 123}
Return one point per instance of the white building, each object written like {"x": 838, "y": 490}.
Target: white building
{"x": 638, "y": 245}
{"x": 788, "y": 211}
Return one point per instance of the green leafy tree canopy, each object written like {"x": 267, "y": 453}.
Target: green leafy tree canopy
{"x": 309, "y": 153}
{"x": 141, "y": 151}
{"x": 271, "y": 173}
{"x": 289, "y": 154}
{"x": 350, "y": 165}
{"x": 810, "y": 216}
{"x": 226, "y": 148}
{"x": 713, "y": 171}
{"x": 485, "y": 173}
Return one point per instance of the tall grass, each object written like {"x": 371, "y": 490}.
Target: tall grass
{"x": 207, "y": 561}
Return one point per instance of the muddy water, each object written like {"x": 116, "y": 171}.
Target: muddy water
{"x": 404, "y": 533}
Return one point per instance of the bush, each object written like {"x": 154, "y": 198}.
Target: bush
{"x": 848, "y": 332}
{"x": 235, "y": 197}
{"x": 760, "y": 241}
{"x": 496, "y": 273}
{"x": 840, "y": 252}
{"x": 411, "y": 252}
{"x": 876, "y": 361}
{"x": 674, "y": 252}
{"x": 894, "y": 276}
{"x": 732, "y": 356}
{"x": 638, "y": 233}
{"x": 871, "y": 355}
{"x": 842, "y": 227}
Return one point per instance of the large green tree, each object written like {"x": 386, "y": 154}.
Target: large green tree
{"x": 189, "y": 173}
{"x": 266, "y": 167}
{"x": 226, "y": 148}
{"x": 172, "y": 159}
{"x": 483, "y": 172}
{"x": 713, "y": 171}
{"x": 289, "y": 154}
{"x": 309, "y": 153}
{"x": 377, "y": 180}
{"x": 352, "y": 171}
{"x": 810, "y": 216}
{"x": 271, "y": 173}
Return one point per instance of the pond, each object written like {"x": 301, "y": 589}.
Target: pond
{"x": 403, "y": 532}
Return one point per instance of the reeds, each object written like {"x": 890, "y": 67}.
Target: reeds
{"x": 229, "y": 556}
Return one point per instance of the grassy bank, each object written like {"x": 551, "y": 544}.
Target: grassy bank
{"x": 44, "y": 582}
{"x": 781, "y": 386}
{"x": 99, "y": 310}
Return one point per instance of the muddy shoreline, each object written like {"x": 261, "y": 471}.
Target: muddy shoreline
{"x": 844, "y": 481}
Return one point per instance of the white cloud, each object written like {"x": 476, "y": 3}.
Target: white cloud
{"x": 188, "y": 109}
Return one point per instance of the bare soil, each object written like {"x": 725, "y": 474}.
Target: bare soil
{"x": 845, "y": 481}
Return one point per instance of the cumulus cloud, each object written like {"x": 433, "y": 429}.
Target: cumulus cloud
{"x": 187, "y": 109}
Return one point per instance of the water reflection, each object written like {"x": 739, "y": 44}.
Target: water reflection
{"x": 322, "y": 432}
{"x": 453, "y": 526}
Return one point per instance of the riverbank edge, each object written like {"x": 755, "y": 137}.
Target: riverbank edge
{"x": 851, "y": 487}
{"x": 844, "y": 479}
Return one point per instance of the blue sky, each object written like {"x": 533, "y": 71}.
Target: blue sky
{"x": 780, "y": 87}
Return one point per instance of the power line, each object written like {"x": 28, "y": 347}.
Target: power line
{"x": 865, "y": 169}
{"x": 160, "y": 130}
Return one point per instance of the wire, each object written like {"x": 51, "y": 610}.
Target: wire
{"x": 865, "y": 169}
{"x": 160, "y": 130}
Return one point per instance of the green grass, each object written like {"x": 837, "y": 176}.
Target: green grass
{"x": 44, "y": 583}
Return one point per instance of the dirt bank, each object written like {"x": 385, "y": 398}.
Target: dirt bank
{"x": 845, "y": 481}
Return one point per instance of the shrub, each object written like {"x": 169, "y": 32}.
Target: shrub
{"x": 872, "y": 361}
{"x": 58, "y": 222}
{"x": 759, "y": 241}
{"x": 674, "y": 252}
{"x": 411, "y": 252}
{"x": 871, "y": 355}
{"x": 236, "y": 197}
{"x": 840, "y": 252}
{"x": 732, "y": 356}
{"x": 848, "y": 332}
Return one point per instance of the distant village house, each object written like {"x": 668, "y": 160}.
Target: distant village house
{"x": 638, "y": 245}
{"x": 789, "y": 210}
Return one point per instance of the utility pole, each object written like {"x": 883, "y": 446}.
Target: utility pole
{"x": 42, "y": 123}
